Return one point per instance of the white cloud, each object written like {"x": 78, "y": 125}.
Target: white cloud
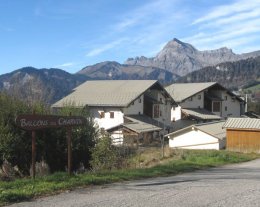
{"x": 143, "y": 14}
{"x": 233, "y": 25}
{"x": 226, "y": 10}
{"x": 65, "y": 65}
{"x": 149, "y": 26}
{"x": 105, "y": 47}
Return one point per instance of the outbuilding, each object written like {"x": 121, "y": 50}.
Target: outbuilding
{"x": 209, "y": 135}
{"x": 243, "y": 134}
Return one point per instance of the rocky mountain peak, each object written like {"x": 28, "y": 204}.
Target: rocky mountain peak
{"x": 177, "y": 45}
{"x": 181, "y": 58}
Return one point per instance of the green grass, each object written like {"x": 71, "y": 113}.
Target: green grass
{"x": 253, "y": 88}
{"x": 181, "y": 161}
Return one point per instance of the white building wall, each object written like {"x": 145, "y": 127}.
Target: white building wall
{"x": 107, "y": 122}
{"x": 194, "y": 139}
{"x": 136, "y": 107}
{"x": 230, "y": 106}
{"x": 176, "y": 113}
{"x": 196, "y": 101}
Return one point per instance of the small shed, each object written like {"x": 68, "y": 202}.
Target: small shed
{"x": 243, "y": 134}
{"x": 209, "y": 135}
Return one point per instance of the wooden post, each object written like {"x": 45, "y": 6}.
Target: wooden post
{"x": 69, "y": 149}
{"x": 33, "y": 153}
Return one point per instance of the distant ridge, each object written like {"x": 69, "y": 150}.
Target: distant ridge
{"x": 39, "y": 85}
{"x": 232, "y": 75}
{"x": 111, "y": 70}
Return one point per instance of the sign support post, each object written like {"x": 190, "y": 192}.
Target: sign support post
{"x": 33, "y": 154}
{"x": 69, "y": 149}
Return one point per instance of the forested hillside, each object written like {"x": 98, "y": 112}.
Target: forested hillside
{"x": 232, "y": 75}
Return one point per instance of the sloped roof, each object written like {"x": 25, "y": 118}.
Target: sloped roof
{"x": 202, "y": 114}
{"x": 139, "y": 124}
{"x": 107, "y": 93}
{"x": 242, "y": 123}
{"x": 142, "y": 124}
{"x": 214, "y": 129}
{"x": 182, "y": 91}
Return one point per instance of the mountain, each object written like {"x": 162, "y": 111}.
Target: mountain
{"x": 115, "y": 71}
{"x": 50, "y": 85}
{"x": 182, "y": 58}
{"x": 45, "y": 85}
{"x": 232, "y": 75}
{"x": 222, "y": 65}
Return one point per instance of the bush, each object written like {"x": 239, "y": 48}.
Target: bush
{"x": 104, "y": 155}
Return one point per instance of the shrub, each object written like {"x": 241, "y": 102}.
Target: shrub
{"x": 104, "y": 155}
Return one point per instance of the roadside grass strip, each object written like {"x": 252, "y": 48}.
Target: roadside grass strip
{"x": 190, "y": 160}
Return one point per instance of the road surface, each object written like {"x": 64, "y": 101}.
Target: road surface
{"x": 231, "y": 185}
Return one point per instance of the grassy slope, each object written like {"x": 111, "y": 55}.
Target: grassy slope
{"x": 183, "y": 161}
{"x": 253, "y": 88}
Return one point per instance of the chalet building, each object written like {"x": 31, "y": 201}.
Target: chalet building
{"x": 203, "y": 102}
{"x": 243, "y": 134}
{"x": 140, "y": 108}
{"x": 209, "y": 135}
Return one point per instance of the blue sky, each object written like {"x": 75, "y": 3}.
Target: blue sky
{"x": 70, "y": 34}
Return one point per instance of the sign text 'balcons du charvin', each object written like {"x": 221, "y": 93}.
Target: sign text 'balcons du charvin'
{"x": 34, "y": 122}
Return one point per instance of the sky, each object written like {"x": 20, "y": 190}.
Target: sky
{"x": 71, "y": 34}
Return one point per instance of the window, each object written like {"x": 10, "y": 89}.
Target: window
{"x": 160, "y": 113}
{"x": 216, "y": 106}
{"x": 112, "y": 115}
{"x": 190, "y": 99}
{"x": 102, "y": 114}
{"x": 225, "y": 108}
{"x": 199, "y": 96}
{"x": 226, "y": 98}
{"x": 140, "y": 100}
{"x": 156, "y": 111}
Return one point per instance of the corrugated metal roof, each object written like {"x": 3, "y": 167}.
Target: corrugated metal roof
{"x": 214, "y": 129}
{"x": 182, "y": 91}
{"x": 202, "y": 114}
{"x": 242, "y": 123}
{"x": 106, "y": 93}
{"x": 142, "y": 123}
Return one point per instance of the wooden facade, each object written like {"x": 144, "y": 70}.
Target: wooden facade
{"x": 242, "y": 140}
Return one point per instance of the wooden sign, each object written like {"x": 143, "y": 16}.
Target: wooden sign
{"x": 36, "y": 122}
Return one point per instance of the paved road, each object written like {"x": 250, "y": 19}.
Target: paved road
{"x": 232, "y": 185}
